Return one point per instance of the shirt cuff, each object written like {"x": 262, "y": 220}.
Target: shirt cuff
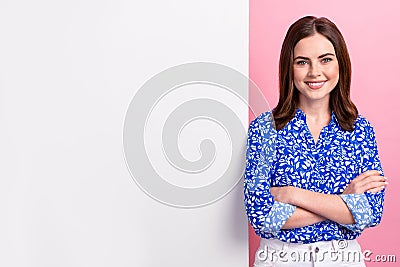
{"x": 360, "y": 209}
{"x": 277, "y": 216}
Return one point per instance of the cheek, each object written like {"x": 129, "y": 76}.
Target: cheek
{"x": 299, "y": 74}
{"x": 334, "y": 72}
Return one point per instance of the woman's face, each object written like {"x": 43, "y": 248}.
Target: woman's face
{"x": 315, "y": 68}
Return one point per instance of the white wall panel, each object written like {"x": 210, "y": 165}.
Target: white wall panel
{"x": 68, "y": 72}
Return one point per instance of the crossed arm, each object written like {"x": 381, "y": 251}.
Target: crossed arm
{"x": 313, "y": 207}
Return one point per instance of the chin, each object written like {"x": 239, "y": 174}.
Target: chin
{"x": 315, "y": 97}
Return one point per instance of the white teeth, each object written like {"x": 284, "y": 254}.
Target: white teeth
{"x": 316, "y": 84}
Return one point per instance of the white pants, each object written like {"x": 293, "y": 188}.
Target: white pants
{"x": 335, "y": 253}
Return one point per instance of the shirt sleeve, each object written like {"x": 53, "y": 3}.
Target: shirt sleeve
{"x": 264, "y": 214}
{"x": 366, "y": 208}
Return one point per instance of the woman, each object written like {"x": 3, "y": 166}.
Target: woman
{"x": 313, "y": 179}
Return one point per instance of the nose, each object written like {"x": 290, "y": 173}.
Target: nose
{"x": 314, "y": 70}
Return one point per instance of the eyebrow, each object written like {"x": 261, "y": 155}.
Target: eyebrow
{"x": 321, "y": 56}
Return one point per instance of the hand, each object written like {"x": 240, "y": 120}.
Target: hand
{"x": 369, "y": 181}
{"x": 283, "y": 193}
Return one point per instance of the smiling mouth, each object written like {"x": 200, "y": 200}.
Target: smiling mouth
{"x": 315, "y": 85}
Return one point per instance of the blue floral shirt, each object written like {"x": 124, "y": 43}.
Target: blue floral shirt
{"x": 290, "y": 156}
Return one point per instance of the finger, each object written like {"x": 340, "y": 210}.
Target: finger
{"x": 377, "y": 172}
{"x": 373, "y": 185}
{"x": 364, "y": 175}
{"x": 369, "y": 173}
{"x": 371, "y": 179}
{"x": 361, "y": 186}
{"x": 376, "y": 190}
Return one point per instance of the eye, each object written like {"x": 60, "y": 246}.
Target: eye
{"x": 326, "y": 60}
{"x": 301, "y": 62}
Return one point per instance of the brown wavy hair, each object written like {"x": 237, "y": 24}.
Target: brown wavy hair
{"x": 339, "y": 101}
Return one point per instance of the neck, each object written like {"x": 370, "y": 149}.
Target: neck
{"x": 317, "y": 109}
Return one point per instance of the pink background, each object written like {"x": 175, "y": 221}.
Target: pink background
{"x": 372, "y": 34}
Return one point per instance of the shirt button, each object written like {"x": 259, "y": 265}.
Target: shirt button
{"x": 316, "y": 249}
